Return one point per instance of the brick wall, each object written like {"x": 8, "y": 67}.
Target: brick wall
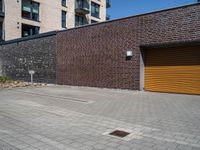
{"x": 38, "y": 54}
{"x": 96, "y": 55}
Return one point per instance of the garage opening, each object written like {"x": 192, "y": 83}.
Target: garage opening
{"x": 173, "y": 70}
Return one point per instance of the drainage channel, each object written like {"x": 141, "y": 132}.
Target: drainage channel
{"x": 55, "y": 97}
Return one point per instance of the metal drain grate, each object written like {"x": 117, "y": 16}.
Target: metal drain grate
{"x": 119, "y": 133}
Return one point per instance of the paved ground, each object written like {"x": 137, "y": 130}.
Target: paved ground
{"x": 72, "y": 118}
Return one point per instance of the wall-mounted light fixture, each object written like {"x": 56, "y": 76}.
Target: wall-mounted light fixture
{"x": 129, "y": 54}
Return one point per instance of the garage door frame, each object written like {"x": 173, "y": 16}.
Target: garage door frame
{"x": 142, "y": 67}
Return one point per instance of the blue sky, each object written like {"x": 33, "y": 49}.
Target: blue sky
{"x": 124, "y": 8}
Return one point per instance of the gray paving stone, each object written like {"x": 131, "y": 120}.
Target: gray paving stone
{"x": 30, "y": 148}
{"x": 156, "y": 121}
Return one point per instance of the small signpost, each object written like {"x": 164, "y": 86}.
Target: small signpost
{"x": 31, "y": 72}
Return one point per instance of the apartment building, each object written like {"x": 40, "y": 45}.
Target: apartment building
{"x": 21, "y": 18}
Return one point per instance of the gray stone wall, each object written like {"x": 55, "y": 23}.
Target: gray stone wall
{"x": 38, "y": 54}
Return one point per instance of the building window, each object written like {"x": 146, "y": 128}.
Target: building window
{"x": 1, "y": 5}
{"x": 1, "y": 31}
{"x": 28, "y": 30}
{"x": 95, "y": 9}
{"x": 64, "y": 19}
{"x": 94, "y": 21}
{"x": 79, "y": 20}
{"x": 63, "y": 2}
{"x": 30, "y": 10}
{"x": 82, "y": 4}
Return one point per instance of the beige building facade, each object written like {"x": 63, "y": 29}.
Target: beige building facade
{"x": 21, "y": 18}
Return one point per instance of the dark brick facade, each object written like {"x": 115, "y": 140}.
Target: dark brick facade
{"x": 95, "y": 55}
{"x": 38, "y": 54}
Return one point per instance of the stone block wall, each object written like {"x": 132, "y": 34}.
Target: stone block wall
{"x": 38, "y": 54}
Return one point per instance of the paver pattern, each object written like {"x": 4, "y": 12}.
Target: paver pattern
{"x": 81, "y": 118}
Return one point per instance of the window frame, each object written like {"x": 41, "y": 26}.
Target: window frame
{"x": 80, "y": 22}
{"x": 64, "y": 3}
{"x": 96, "y": 13}
{"x": 31, "y": 15}
{"x": 63, "y": 22}
{"x": 31, "y": 30}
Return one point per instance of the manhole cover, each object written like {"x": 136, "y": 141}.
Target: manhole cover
{"x": 119, "y": 133}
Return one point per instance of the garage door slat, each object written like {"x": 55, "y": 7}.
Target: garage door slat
{"x": 174, "y": 70}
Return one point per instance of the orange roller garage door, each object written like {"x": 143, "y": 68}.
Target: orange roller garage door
{"x": 175, "y": 70}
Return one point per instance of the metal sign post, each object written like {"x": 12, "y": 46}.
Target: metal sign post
{"x": 31, "y": 72}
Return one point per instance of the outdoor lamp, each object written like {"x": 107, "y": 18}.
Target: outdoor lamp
{"x": 129, "y": 53}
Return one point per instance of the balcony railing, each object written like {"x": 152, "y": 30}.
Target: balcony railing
{"x": 78, "y": 24}
{"x": 1, "y": 32}
{"x": 107, "y": 17}
{"x": 81, "y": 22}
{"x": 1, "y": 5}
{"x": 1, "y": 8}
{"x": 1, "y": 36}
{"x": 108, "y": 5}
{"x": 82, "y": 7}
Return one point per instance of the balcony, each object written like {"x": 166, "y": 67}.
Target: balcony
{"x": 80, "y": 21}
{"x": 1, "y": 36}
{"x": 2, "y": 9}
{"x": 108, "y": 5}
{"x": 82, "y": 7}
{"x": 1, "y": 32}
{"x": 78, "y": 24}
{"x": 2, "y": 14}
{"x": 107, "y": 17}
